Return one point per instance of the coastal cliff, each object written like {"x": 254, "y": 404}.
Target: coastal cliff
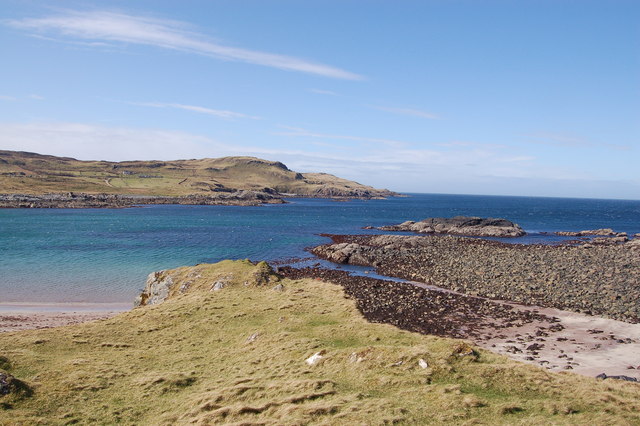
{"x": 35, "y": 180}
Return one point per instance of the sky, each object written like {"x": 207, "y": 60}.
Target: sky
{"x": 496, "y": 97}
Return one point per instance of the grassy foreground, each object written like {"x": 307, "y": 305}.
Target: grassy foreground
{"x": 30, "y": 173}
{"x": 237, "y": 356}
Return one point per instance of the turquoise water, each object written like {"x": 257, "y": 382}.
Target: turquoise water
{"x": 99, "y": 255}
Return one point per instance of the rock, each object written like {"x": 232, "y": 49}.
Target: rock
{"x": 535, "y": 347}
{"x": 253, "y": 337}
{"x": 609, "y": 240}
{"x": 600, "y": 280}
{"x": 422, "y": 363}
{"x": 278, "y": 287}
{"x": 620, "y": 377}
{"x": 156, "y": 289}
{"x": 83, "y": 200}
{"x": 605, "y": 232}
{"x": 315, "y": 358}
{"x": 218, "y": 285}
{"x": 461, "y": 225}
{"x": 633, "y": 244}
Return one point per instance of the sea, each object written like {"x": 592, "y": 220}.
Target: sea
{"x": 58, "y": 256}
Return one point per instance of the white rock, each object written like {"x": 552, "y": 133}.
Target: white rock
{"x": 423, "y": 364}
{"x": 218, "y": 285}
{"x": 315, "y": 358}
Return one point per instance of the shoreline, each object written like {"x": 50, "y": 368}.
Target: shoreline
{"x": 553, "y": 339}
{"x": 18, "y": 316}
{"x": 549, "y": 338}
{"x": 68, "y": 307}
{"x": 595, "y": 279}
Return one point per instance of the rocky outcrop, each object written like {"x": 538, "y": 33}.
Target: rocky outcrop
{"x": 156, "y": 289}
{"x": 604, "y": 232}
{"x": 164, "y": 285}
{"x": 461, "y": 225}
{"x": 332, "y": 191}
{"x": 73, "y": 200}
{"x": 594, "y": 279}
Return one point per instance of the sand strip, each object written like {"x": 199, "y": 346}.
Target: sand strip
{"x": 27, "y": 316}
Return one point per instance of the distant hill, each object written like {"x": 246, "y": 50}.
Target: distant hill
{"x": 31, "y": 173}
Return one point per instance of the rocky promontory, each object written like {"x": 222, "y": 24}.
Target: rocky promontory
{"x": 594, "y": 279}
{"x": 72, "y": 200}
{"x": 460, "y": 225}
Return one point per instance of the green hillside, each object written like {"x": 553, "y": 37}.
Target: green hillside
{"x": 238, "y": 356}
{"x": 29, "y": 173}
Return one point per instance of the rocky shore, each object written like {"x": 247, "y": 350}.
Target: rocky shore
{"x": 549, "y": 338}
{"x": 593, "y": 279}
{"x": 72, "y": 200}
{"x": 423, "y": 310}
{"x": 460, "y": 225}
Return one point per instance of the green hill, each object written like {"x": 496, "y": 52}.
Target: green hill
{"x": 30, "y": 173}
{"x": 229, "y": 346}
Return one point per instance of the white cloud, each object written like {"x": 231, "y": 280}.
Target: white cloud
{"x": 479, "y": 169}
{"x": 36, "y": 97}
{"x": 198, "y": 109}
{"x": 298, "y": 132}
{"x": 571, "y": 141}
{"x": 94, "y": 142}
{"x": 7, "y": 98}
{"x": 169, "y": 34}
{"x": 408, "y": 111}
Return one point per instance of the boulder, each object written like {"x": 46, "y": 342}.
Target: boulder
{"x": 621, "y": 377}
{"x": 156, "y": 289}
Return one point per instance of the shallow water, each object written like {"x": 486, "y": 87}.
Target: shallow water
{"x": 104, "y": 255}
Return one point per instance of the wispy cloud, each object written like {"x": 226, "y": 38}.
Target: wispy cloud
{"x": 193, "y": 108}
{"x": 323, "y": 92}
{"x": 558, "y": 139}
{"x": 7, "y": 98}
{"x": 96, "y": 142}
{"x": 408, "y": 111}
{"x": 107, "y": 26}
{"x": 298, "y": 132}
{"x": 36, "y": 97}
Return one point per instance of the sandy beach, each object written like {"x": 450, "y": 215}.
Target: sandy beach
{"x": 561, "y": 340}
{"x": 26, "y": 316}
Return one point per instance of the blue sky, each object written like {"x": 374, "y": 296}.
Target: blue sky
{"x": 505, "y": 97}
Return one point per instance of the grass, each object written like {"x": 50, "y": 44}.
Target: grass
{"x": 30, "y": 173}
{"x": 237, "y": 356}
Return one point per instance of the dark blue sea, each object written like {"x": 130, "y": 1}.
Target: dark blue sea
{"x": 104, "y": 255}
